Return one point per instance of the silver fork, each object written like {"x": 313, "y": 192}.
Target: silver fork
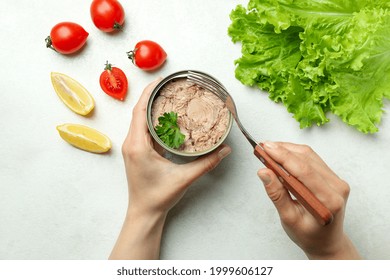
{"x": 297, "y": 188}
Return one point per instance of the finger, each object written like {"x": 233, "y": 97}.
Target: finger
{"x": 143, "y": 100}
{"x": 281, "y": 198}
{"x": 307, "y": 151}
{"x": 138, "y": 122}
{"x": 305, "y": 169}
{"x": 306, "y": 155}
{"x": 138, "y": 133}
{"x": 204, "y": 164}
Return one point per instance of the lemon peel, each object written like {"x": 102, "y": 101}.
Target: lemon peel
{"x": 84, "y": 138}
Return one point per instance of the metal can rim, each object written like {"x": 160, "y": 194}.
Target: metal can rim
{"x": 155, "y": 91}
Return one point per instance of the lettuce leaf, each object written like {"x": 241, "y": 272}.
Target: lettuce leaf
{"x": 316, "y": 56}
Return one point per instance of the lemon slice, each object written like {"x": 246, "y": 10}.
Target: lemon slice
{"x": 72, "y": 93}
{"x": 85, "y": 138}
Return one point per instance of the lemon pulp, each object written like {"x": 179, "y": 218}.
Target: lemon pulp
{"x": 72, "y": 93}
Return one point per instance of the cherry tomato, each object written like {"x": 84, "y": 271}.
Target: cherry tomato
{"x": 66, "y": 37}
{"x": 114, "y": 82}
{"x": 147, "y": 55}
{"x": 107, "y": 15}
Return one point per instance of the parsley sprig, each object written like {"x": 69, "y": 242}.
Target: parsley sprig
{"x": 169, "y": 131}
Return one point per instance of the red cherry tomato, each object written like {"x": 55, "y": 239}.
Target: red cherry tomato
{"x": 107, "y": 15}
{"x": 67, "y": 37}
{"x": 147, "y": 55}
{"x": 114, "y": 82}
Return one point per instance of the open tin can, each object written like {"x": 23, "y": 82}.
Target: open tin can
{"x": 151, "y": 120}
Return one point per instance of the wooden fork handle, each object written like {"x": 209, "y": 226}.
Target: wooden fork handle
{"x": 299, "y": 190}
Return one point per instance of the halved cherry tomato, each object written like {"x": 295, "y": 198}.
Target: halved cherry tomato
{"x": 147, "y": 55}
{"x": 107, "y": 15}
{"x": 66, "y": 37}
{"x": 114, "y": 82}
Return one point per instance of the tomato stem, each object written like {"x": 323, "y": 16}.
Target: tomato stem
{"x": 108, "y": 66}
{"x": 131, "y": 55}
{"x": 118, "y": 26}
{"x": 49, "y": 43}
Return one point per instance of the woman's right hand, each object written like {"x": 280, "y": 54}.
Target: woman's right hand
{"x": 317, "y": 241}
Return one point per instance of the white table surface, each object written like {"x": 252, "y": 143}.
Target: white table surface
{"x": 58, "y": 202}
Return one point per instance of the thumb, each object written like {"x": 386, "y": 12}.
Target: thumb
{"x": 279, "y": 195}
{"x": 204, "y": 164}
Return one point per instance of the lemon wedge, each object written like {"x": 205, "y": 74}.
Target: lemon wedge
{"x": 85, "y": 138}
{"x": 72, "y": 93}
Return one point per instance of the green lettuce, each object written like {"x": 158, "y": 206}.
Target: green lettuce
{"x": 316, "y": 56}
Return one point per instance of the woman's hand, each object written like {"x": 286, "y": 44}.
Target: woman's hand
{"x": 155, "y": 186}
{"x": 155, "y": 183}
{"x": 318, "y": 242}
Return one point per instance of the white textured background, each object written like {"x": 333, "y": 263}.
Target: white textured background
{"x": 58, "y": 202}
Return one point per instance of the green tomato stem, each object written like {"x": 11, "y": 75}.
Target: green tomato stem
{"x": 131, "y": 55}
{"x": 118, "y": 26}
{"x": 108, "y": 66}
{"x": 49, "y": 43}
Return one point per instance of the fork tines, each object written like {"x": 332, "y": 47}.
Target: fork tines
{"x": 208, "y": 83}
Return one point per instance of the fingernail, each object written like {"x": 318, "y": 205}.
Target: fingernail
{"x": 265, "y": 178}
{"x": 270, "y": 145}
{"x": 224, "y": 152}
